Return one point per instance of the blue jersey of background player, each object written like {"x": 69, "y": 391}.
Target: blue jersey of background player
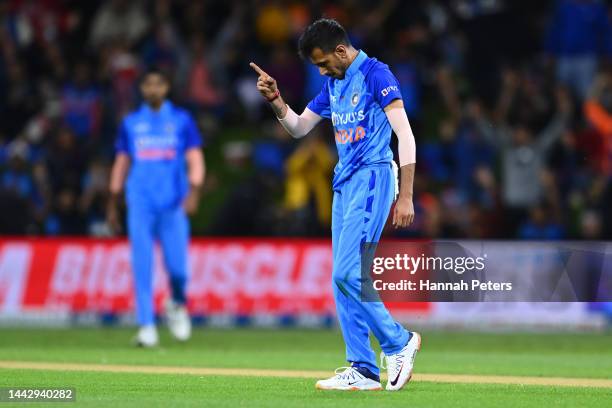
{"x": 158, "y": 150}
{"x": 363, "y": 101}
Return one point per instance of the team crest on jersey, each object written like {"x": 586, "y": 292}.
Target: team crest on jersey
{"x": 355, "y": 99}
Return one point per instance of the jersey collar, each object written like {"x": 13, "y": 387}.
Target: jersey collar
{"x": 354, "y": 67}
{"x": 165, "y": 107}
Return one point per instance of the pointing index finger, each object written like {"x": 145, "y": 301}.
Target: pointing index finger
{"x": 257, "y": 69}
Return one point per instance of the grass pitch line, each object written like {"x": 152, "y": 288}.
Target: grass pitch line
{"x": 252, "y": 372}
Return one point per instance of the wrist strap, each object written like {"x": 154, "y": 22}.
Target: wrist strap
{"x": 276, "y": 95}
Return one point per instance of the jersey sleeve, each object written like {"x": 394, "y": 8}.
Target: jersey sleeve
{"x": 320, "y": 103}
{"x": 384, "y": 86}
{"x": 193, "y": 137}
{"x": 121, "y": 144}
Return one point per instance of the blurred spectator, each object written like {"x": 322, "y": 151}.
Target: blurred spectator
{"x": 93, "y": 200}
{"x": 540, "y": 226}
{"x": 66, "y": 161}
{"x": 68, "y": 72}
{"x": 40, "y": 21}
{"x": 64, "y": 217}
{"x": 309, "y": 170}
{"x": 22, "y": 199}
{"x": 590, "y": 225}
{"x": 598, "y": 111}
{"x": 81, "y": 103}
{"x": 201, "y": 90}
{"x": 524, "y": 157}
{"x": 580, "y": 34}
{"x": 122, "y": 68}
{"x": 272, "y": 23}
{"x": 20, "y": 99}
{"x": 123, "y": 20}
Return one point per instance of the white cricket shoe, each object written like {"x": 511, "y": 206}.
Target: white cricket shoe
{"x": 399, "y": 366}
{"x": 349, "y": 379}
{"x": 147, "y": 336}
{"x": 178, "y": 320}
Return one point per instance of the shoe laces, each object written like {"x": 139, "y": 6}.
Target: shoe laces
{"x": 391, "y": 362}
{"x": 344, "y": 373}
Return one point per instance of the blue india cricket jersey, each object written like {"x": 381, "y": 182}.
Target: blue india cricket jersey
{"x": 156, "y": 142}
{"x": 355, "y": 105}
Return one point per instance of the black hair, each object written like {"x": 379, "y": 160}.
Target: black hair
{"x": 325, "y": 33}
{"x": 156, "y": 71}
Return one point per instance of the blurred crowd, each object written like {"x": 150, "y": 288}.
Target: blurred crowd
{"x": 510, "y": 103}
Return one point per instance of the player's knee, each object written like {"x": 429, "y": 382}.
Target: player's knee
{"x": 338, "y": 278}
{"x": 342, "y": 279}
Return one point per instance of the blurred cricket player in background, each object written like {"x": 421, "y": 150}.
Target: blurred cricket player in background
{"x": 363, "y": 100}
{"x": 159, "y": 151}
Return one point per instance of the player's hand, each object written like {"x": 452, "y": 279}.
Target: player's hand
{"x": 266, "y": 85}
{"x": 113, "y": 218}
{"x": 191, "y": 203}
{"x": 403, "y": 214}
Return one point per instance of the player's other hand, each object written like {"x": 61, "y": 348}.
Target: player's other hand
{"x": 403, "y": 214}
{"x": 191, "y": 203}
{"x": 113, "y": 218}
{"x": 266, "y": 85}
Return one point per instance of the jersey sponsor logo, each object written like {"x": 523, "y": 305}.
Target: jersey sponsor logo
{"x": 350, "y": 135}
{"x": 156, "y": 154}
{"x": 144, "y": 142}
{"x": 346, "y": 118}
{"x": 388, "y": 89}
{"x": 156, "y": 148}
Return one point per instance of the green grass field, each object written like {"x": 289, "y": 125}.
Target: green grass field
{"x": 534, "y": 355}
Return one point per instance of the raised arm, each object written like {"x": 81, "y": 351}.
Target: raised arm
{"x": 559, "y": 122}
{"x": 551, "y": 132}
{"x": 297, "y": 125}
{"x": 497, "y": 136}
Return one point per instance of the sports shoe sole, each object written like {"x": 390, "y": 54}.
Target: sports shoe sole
{"x": 320, "y": 387}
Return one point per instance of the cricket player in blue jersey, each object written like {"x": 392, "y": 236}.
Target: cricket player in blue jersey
{"x": 363, "y": 101}
{"x": 159, "y": 152}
